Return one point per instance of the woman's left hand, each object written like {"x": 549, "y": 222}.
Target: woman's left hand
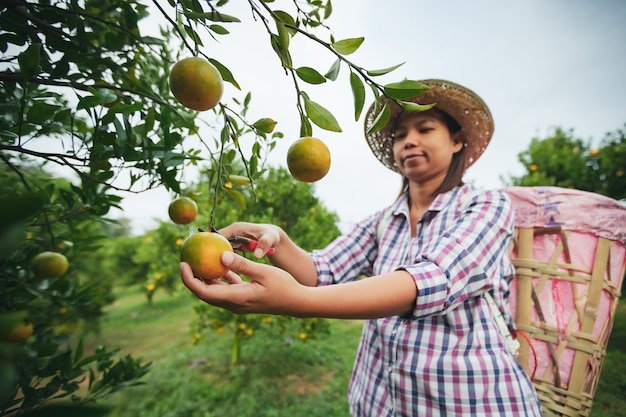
{"x": 270, "y": 290}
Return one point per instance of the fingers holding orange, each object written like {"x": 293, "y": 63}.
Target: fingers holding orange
{"x": 203, "y": 251}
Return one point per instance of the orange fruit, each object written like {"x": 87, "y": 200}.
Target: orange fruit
{"x": 308, "y": 159}
{"x": 18, "y": 333}
{"x": 183, "y": 210}
{"x": 202, "y": 251}
{"x": 49, "y": 264}
{"x": 196, "y": 83}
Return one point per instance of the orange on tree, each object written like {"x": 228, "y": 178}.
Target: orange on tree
{"x": 308, "y": 159}
{"x": 196, "y": 83}
{"x": 49, "y": 264}
{"x": 202, "y": 251}
{"x": 18, "y": 332}
{"x": 183, "y": 210}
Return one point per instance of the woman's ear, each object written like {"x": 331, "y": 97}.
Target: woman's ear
{"x": 459, "y": 141}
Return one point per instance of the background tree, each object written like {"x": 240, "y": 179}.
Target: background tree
{"x": 565, "y": 161}
{"x": 293, "y": 206}
{"x": 284, "y": 201}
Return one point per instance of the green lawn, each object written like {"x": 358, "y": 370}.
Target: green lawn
{"x": 274, "y": 378}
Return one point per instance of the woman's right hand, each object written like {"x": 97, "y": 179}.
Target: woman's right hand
{"x": 286, "y": 254}
{"x": 267, "y": 236}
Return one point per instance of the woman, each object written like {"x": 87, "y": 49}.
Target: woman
{"x": 435, "y": 260}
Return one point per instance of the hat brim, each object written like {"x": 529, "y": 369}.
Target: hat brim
{"x": 461, "y": 103}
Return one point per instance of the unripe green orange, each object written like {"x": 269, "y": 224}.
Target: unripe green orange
{"x": 49, "y": 264}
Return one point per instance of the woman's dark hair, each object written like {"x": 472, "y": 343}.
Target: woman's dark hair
{"x": 454, "y": 177}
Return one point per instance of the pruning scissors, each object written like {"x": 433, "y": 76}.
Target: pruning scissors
{"x": 242, "y": 242}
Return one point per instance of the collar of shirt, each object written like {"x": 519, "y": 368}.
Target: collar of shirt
{"x": 401, "y": 206}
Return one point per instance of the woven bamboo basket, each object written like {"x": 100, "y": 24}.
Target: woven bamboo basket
{"x": 570, "y": 257}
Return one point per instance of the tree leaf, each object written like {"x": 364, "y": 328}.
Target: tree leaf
{"x": 328, "y": 9}
{"x": 283, "y": 34}
{"x": 41, "y": 112}
{"x": 376, "y": 73}
{"x": 287, "y": 19}
{"x": 310, "y": 75}
{"x": 347, "y": 46}
{"x": 239, "y": 179}
{"x": 225, "y": 73}
{"x": 168, "y": 178}
{"x": 29, "y": 61}
{"x": 265, "y": 125}
{"x": 414, "y": 107}
{"x": 405, "y": 89}
{"x": 333, "y": 71}
{"x": 219, "y": 29}
{"x": 88, "y": 102}
{"x": 19, "y": 208}
{"x": 305, "y": 126}
{"x": 237, "y": 196}
{"x": 281, "y": 51}
{"x": 320, "y": 116}
{"x": 213, "y": 16}
{"x": 381, "y": 120}
{"x": 358, "y": 92}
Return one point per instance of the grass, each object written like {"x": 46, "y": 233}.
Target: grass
{"x": 274, "y": 378}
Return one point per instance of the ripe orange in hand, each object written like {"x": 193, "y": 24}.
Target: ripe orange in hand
{"x": 308, "y": 159}
{"x": 196, "y": 83}
{"x": 49, "y": 264}
{"x": 202, "y": 251}
{"x": 183, "y": 210}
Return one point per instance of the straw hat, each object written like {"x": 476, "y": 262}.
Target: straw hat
{"x": 469, "y": 110}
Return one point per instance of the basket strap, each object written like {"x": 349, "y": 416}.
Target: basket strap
{"x": 525, "y": 238}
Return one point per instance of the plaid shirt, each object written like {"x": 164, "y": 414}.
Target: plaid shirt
{"x": 447, "y": 357}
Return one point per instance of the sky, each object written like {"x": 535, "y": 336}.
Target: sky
{"x": 538, "y": 64}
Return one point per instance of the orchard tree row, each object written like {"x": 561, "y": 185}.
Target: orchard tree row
{"x": 562, "y": 160}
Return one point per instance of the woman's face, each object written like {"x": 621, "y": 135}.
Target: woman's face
{"x": 423, "y": 146}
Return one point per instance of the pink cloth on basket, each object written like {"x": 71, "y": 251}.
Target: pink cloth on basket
{"x": 587, "y": 216}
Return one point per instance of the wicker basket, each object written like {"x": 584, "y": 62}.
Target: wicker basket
{"x": 570, "y": 257}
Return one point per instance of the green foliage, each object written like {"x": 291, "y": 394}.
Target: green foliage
{"x": 611, "y": 162}
{"x": 159, "y": 254}
{"x": 45, "y": 366}
{"x": 564, "y": 161}
{"x": 282, "y": 201}
{"x": 84, "y": 90}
